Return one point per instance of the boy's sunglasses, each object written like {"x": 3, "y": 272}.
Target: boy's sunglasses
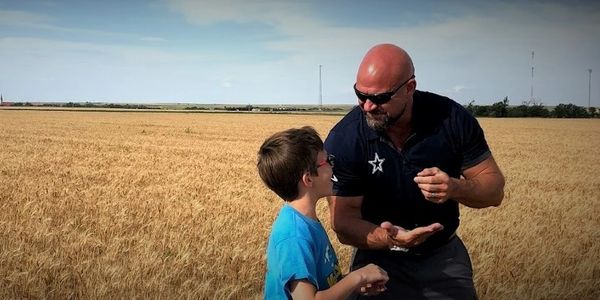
{"x": 379, "y": 98}
{"x": 326, "y": 161}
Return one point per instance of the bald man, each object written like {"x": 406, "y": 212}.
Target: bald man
{"x": 403, "y": 161}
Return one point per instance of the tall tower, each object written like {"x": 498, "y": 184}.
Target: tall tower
{"x": 320, "y": 89}
{"x": 589, "y": 88}
{"x": 531, "y": 96}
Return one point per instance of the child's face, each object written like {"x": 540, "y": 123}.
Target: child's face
{"x": 323, "y": 183}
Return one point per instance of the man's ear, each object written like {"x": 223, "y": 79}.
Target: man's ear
{"x": 411, "y": 86}
{"x": 307, "y": 179}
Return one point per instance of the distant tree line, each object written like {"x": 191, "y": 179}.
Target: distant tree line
{"x": 266, "y": 108}
{"x": 104, "y": 105}
{"x": 85, "y": 104}
{"x": 501, "y": 109}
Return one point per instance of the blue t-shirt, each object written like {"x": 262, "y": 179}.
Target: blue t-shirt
{"x": 367, "y": 164}
{"x": 298, "y": 249}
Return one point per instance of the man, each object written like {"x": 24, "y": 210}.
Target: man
{"x": 403, "y": 161}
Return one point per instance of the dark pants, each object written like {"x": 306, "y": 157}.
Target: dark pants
{"x": 445, "y": 273}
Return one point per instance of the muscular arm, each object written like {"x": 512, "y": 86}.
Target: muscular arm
{"x": 481, "y": 186}
{"x": 351, "y": 229}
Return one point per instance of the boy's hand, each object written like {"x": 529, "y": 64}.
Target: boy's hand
{"x": 373, "y": 279}
{"x": 371, "y": 289}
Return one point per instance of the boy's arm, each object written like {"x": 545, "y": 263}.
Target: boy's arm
{"x": 370, "y": 275}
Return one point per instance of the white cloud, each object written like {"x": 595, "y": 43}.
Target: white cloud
{"x": 48, "y": 48}
{"x": 226, "y": 83}
{"x": 152, "y": 39}
{"x": 44, "y": 22}
{"x": 283, "y": 14}
{"x": 23, "y": 19}
{"x": 458, "y": 88}
{"x": 486, "y": 49}
{"x": 15, "y": 17}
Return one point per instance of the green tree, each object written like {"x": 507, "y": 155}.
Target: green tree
{"x": 593, "y": 112}
{"x": 470, "y": 107}
{"x": 538, "y": 110}
{"x": 520, "y": 111}
{"x": 500, "y": 108}
{"x": 569, "y": 111}
{"x": 482, "y": 110}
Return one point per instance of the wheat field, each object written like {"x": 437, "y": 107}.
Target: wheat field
{"x": 169, "y": 205}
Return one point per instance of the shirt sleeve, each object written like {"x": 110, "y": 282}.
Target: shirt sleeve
{"x": 345, "y": 153}
{"x": 473, "y": 145}
{"x": 295, "y": 261}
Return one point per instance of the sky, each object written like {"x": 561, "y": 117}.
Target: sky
{"x": 269, "y": 52}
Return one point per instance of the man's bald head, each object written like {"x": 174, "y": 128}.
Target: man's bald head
{"x": 384, "y": 65}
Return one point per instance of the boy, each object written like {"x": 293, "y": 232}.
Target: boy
{"x": 301, "y": 263}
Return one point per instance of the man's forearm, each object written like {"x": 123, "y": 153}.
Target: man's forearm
{"x": 482, "y": 191}
{"x": 362, "y": 234}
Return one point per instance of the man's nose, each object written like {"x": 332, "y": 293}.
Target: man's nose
{"x": 369, "y": 106}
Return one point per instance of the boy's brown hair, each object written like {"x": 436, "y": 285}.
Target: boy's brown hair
{"x": 285, "y": 156}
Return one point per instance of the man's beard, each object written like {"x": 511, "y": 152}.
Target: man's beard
{"x": 384, "y": 120}
{"x": 382, "y": 123}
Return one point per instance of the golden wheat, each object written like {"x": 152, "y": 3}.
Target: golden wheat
{"x": 159, "y": 205}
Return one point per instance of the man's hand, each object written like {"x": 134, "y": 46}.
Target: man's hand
{"x": 481, "y": 185}
{"x": 409, "y": 238}
{"x": 435, "y": 185}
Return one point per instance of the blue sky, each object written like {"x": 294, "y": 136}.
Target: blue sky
{"x": 269, "y": 52}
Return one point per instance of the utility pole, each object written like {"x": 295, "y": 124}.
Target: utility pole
{"x": 589, "y": 88}
{"x": 531, "y": 97}
{"x": 320, "y": 90}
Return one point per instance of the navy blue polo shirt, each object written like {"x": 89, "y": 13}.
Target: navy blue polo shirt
{"x": 444, "y": 135}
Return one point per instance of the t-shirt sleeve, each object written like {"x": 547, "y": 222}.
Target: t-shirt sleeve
{"x": 295, "y": 261}
{"x": 473, "y": 145}
{"x": 345, "y": 154}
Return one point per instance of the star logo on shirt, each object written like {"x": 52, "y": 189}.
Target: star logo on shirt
{"x": 377, "y": 163}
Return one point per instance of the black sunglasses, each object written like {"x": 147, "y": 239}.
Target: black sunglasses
{"x": 379, "y": 98}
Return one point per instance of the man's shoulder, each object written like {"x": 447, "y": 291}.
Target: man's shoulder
{"x": 350, "y": 122}
{"x": 433, "y": 98}
{"x": 349, "y": 133}
{"x": 433, "y": 110}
